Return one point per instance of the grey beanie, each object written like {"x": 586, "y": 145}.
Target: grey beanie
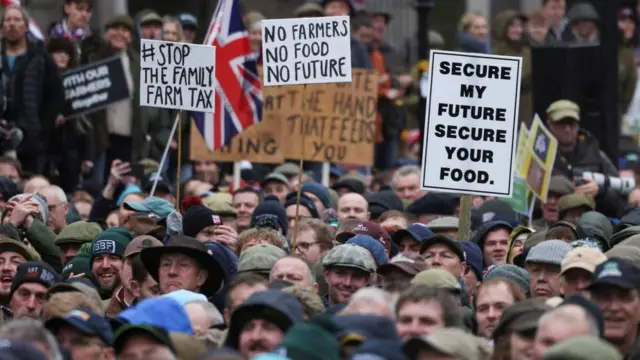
{"x": 549, "y": 252}
{"x": 516, "y": 274}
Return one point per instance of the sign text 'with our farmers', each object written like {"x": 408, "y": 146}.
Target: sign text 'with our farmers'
{"x": 471, "y": 120}
{"x": 306, "y": 50}
{"x": 177, "y": 76}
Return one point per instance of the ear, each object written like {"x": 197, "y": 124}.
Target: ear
{"x": 66, "y": 208}
{"x": 464, "y": 268}
{"x": 325, "y": 272}
{"x": 315, "y": 287}
{"x": 201, "y": 277}
{"x": 135, "y": 288}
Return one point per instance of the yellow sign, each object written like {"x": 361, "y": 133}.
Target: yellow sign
{"x": 523, "y": 138}
{"x": 539, "y": 157}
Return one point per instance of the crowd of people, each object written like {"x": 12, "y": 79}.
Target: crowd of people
{"x": 103, "y": 255}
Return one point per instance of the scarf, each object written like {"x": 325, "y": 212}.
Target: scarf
{"x": 62, "y": 30}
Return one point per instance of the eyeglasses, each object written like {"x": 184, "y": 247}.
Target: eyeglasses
{"x": 304, "y": 247}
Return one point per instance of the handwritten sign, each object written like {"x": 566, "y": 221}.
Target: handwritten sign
{"x": 339, "y": 123}
{"x": 470, "y": 127}
{"x": 539, "y": 158}
{"x": 177, "y": 76}
{"x": 92, "y": 87}
{"x": 306, "y": 50}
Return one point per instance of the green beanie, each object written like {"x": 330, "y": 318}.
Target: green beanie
{"x": 111, "y": 241}
{"x": 80, "y": 264}
{"x": 312, "y": 340}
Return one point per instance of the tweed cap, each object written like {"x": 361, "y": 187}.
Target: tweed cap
{"x": 349, "y": 255}
{"x": 79, "y": 232}
{"x": 573, "y": 201}
{"x": 560, "y": 185}
{"x": 437, "y": 278}
{"x": 549, "y": 252}
{"x": 260, "y": 258}
{"x": 444, "y": 223}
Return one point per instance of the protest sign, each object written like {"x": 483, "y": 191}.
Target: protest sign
{"x": 519, "y": 200}
{"x": 306, "y": 50}
{"x": 92, "y": 87}
{"x": 523, "y": 138}
{"x": 539, "y": 158}
{"x": 177, "y": 75}
{"x": 470, "y": 126}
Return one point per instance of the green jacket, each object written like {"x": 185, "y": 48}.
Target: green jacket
{"x": 42, "y": 239}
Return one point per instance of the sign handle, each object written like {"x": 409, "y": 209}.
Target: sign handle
{"x": 179, "y": 167}
{"x": 326, "y": 172}
{"x": 464, "y": 228}
{"x": 164, "y": 155}
{"x": 236, "y": 175}
{"x": 301, "y": 165}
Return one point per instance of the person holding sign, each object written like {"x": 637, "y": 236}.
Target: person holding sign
{"x": 359, "y": 56}
{"x": 579, "y": 152}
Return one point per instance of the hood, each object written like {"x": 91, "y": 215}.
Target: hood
{"x": 277, "y": 307}
{"x": 623, "y": 235}
{"x": 521, "y": 229}
{"x": 479, "y": 235}
{"x": 163, "y": 312}
{"x": 500, "y": 41}
{"x": 583, "y": 11}
{"x": 594, "y": 224}
{"x": 366, "y": 327}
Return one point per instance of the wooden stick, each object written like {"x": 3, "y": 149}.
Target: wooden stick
{"x": 179, "y": 167}
{"x": 301, "y": 165}
{"x": 464, "y": 227}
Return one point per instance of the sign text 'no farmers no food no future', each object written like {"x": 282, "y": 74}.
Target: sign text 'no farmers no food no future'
{"x": 306, "y": 51}
{"x": 470, "y": 129}
{"x": 177, "y": 76}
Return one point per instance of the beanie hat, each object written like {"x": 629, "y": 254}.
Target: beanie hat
{"x": 80, "y": 264}
{"x": 292, "y": 199}
{"x": 312, "y": 340}
{"x": 549, "y": 252}
{"x": 513, "y": 273}
{"x": 374, "y": 246}
{"x": 112, "y": 241}
{"x": 34, "y": 272}
{"x": 271, "y": 207}
{"x": 590, "y": 308}
{"x": 318, "y": 190}
{"x": 198, "y": 218}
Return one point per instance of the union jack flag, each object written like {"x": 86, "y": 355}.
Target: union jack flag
{"x": 34, "y": 29}
{"x": 238, "y": 102}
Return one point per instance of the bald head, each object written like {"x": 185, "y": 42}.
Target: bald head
{"x": 294, "y": 270}
{"x": 36, "y": 184}
{"x": 561, "y": 324}
{"x": 353, "y": 206}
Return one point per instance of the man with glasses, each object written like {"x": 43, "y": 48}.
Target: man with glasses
{"x": 314, "y": 239}
{"x": 85, "y": 334}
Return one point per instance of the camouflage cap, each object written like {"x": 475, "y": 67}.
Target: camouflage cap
{"x": 260, "y": 258}
{"x": 444, "y": 223}
{"x": 79, "y": 232}
{"x": 352, "y": 256}
{"x": 437, "y": 278}
{"x": 586, "y": 347}
{"x": 573, "y": 201}
{"x": 453, "y": 342}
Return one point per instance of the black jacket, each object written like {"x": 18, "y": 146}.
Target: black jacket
{"x": 35, "y": 95}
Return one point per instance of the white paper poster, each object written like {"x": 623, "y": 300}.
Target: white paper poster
{"x": 177, "y": 75}
{"x": 471, "y": 123}
{"x": 306, "y": 51}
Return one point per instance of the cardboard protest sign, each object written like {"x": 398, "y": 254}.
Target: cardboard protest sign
{"x": 261, "y": 143}
{"x": 470, "y": 127}
{"x": 338, "y": 123}
{"x": 523, "y": 138}
{"x": 539, "y": 158}
{"x": 92, "y": 87}
{"x": 177, "y": 75}
{"x": 306, "y": 50}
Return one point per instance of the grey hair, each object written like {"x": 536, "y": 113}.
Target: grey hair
{"x": 560, "y": 314}
{"x": 210, "y": 309}
{"x": 311, "y": 273}
{"x": 404, "y": 171}
{"x": 373, "y": 294}
{"x": 57, "y": 190}
{"x": 31, "y": 330}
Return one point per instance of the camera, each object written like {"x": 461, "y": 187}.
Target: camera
{"x": 622, "y": 186}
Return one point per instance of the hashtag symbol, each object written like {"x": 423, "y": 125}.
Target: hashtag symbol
{"x": 148, "y": 51}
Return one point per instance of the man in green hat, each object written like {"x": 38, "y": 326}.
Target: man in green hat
{"x": 72, "y": 237}
{"x": 559, "y": 186}
{"x": 275, "y": 184}
{"x": 260, "y": 259}
{"x": 107, "y": 253}
{"x": 572, "y": 206}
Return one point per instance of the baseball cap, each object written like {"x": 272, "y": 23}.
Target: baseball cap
{"x": 161, "y": 208}
{"x": 455, "y": 246}
{"x": 412, "y": 264}
{"x": 549, "y": 252}
{"x": 141, "y": 242}
{"x": 584, "y": 258}
{"x": 160, "y": 335}
{"x": 616, "y": 272}
{"x": 437, "y": 278}
{"x": 164, "y": 184}
{"x": 85, "y": 321}
{"x": 563, "y": 109}
{"x": 367, "y": 228}
{"x": 350, "y": 256}
{"x": 188, "y": 20}
{"x": 417, "y": 232}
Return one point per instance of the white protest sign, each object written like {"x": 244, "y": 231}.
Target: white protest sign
{"x": 306, "y": 51}
{"x": 177, "y": 75}
{"x": 471, "y": 123}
